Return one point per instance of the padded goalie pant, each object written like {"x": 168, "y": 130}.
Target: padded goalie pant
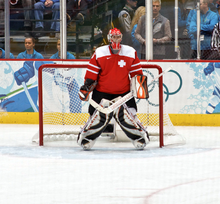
{"x": 132, "y": 127}
{"x": 97, "y": 96}
{"x": 99, "y": 121}
{"x": 94, "y": 127}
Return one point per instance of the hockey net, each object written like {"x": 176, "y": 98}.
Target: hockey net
{"x": 62, "y": 113}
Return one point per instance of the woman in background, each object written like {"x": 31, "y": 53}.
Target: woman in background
{"x": 135, "y": 43}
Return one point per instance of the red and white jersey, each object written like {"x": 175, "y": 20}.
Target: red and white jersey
{"x": 112, "y": 70}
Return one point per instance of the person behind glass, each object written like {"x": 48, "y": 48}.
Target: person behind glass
{"x": 39, "y": 8}
{"x": 77, "y": 9}
{"x": 218, "y": 10}
{"x": 212, "y": 6}
{"x": 184, "y": 7}
{"x": 135, "y": 43}
{"x": 161, "y": 32}
{"x": 215, "y": 42}
{"x": 192, "y": 12}
{"x": 57, "y": 54}
{"x": 125, "y": 17}
{"x": 2, "y": 54}
{"x": 208, "y": 20}
{"x": 30, "y": 52}
{"x": 27, "y": 5}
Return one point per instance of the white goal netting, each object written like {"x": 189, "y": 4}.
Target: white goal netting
{"x": 62, "y": 113}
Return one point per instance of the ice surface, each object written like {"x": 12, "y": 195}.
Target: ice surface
{"x": 62, "y": 173}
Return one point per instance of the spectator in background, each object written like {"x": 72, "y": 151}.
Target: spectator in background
{"x": 212, "y": 6}
{"x": 184, "y": 41}
{"x": 27, "y": 5}
{"x": 2, "y": 54}
{"x": 218, "y": 11}
{"x": 77, "y": 9}
{"x": 125, "y": 17}
{"x": 208, "y": 20}
{"x": 161, "y": 32}
{"x": 135, "y": 43}
{"x": 57, "y": 54}
{"x": 188, "y": 22}
{"x": 30, "y": 52}
{"x": 215, "y": 43}
{"x": 40, "y": 7}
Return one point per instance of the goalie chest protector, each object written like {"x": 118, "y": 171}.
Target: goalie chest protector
{"x": 112, "y": 70}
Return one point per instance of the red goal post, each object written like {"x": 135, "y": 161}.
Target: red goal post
{"x": 80, "y": 65}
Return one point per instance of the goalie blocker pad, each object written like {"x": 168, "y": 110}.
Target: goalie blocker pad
{"x": 139, "y": 86}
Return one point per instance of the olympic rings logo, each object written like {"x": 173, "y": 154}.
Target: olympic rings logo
{"x": 166, "y": 91}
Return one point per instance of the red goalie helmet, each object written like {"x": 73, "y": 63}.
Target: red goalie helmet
{"x": 115, "y": 37}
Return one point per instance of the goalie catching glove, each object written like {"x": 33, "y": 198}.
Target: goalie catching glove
{"x": 86, "y": 89}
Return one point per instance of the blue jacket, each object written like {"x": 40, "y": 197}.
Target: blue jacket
{"x": 188, "y": 22}
{"x": 54, "y": 1}
{"x": 189, "y": 18}
{"x": 181, "y": 20}
{"x": 68, "y": 56}
{"x": 3, "y": 55}
{"x": 135, "y": 43}
{"x": 35, "y": 55}
{"x": 208, "y": 22}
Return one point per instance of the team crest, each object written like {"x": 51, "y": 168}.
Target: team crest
{"x": 121, "y": 63}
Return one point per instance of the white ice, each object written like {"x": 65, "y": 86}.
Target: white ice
{"x": 116, "y": 173}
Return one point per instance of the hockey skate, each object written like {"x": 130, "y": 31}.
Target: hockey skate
{"x": 140, "y": 143}
{"x": 86, "y": 143}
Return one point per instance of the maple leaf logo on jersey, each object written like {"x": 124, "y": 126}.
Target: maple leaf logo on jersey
{"x": 121, "y": 63}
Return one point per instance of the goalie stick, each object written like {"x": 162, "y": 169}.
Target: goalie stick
{"x": 122, "y": 100}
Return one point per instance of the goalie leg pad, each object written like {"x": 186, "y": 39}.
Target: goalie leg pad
{"x": 131, "y": 128}
{"x": 93, "y": 128}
